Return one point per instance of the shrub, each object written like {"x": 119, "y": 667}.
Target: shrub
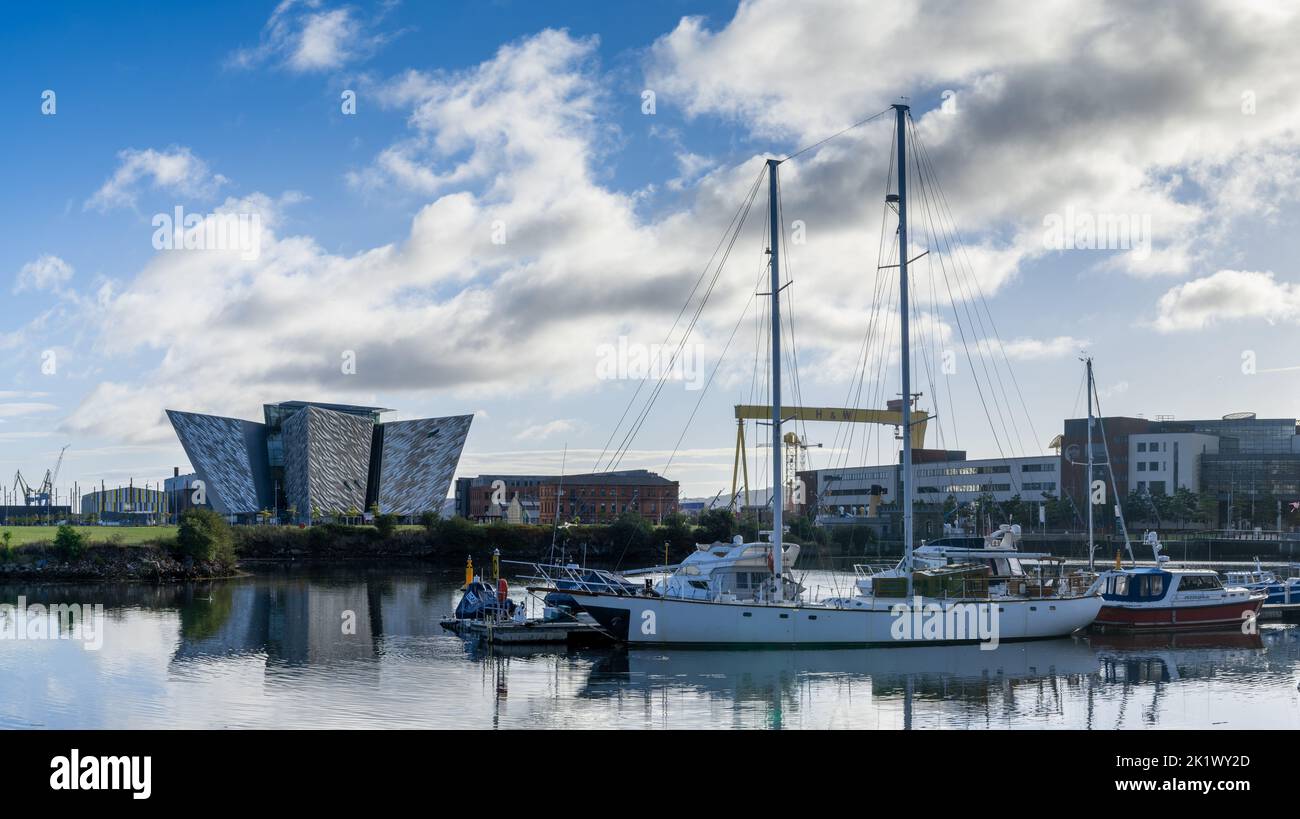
{"x": 69, "y": 543}
{"x": 205, "y": 535}
{"x": 715, "y": 525}
{"x": 386, "y": 524}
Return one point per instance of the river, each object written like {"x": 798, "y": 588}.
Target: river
{"x": 351, "y": 648}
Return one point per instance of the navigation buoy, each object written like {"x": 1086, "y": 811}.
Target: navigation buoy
{"x": 469, "y": 571}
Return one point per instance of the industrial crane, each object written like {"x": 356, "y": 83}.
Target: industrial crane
{"x": 43, "y": 495}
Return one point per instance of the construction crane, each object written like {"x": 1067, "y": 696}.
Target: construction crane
{"x": 43, "y": 495}
{"x": 795, "y": 462}
{"x": 52, "y": 479}
{"x": 758, "y": 412}
{"x": 22, "y": 489}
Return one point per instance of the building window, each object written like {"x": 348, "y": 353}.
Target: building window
{"x": 1142, "y": 466}
{"x": 1142, "y": 447}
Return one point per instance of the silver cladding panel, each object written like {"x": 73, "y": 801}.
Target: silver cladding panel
{"x": 419, "y": 460}
{"x": 229, "y": 456}
{"x": 326, "y": 460}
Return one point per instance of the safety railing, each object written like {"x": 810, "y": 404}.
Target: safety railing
{"x": 575, "y": 578}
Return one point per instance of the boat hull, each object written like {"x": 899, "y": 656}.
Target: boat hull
{"x": 665, "y": 621}
{"x": 1164, "y": 618}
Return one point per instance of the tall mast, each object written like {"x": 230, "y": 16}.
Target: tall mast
{"x": 1087, "y": 484}
{"x": 778, "y": 502}
{"x": 900, "y": 118}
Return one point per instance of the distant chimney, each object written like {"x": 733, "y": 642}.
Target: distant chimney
{"x": 176, "y": 471}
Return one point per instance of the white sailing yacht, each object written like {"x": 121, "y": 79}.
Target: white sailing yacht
{"x": 743, "y": 594}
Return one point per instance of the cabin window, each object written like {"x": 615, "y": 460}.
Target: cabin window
{"x": 1199, "y": 583}
{"x": 699, "y": 584}
{"x": 1157, "y": 585}
{"x": 1121, "y": 585}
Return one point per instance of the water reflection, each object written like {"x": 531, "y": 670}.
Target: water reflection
{"x": 354, "y": 648}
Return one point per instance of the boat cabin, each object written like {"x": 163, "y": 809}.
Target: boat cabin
{"x": 1148, "y": 585}
{"x": 730, "y": 572}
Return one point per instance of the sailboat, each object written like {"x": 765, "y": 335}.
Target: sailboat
{"x": 743, "y": 594}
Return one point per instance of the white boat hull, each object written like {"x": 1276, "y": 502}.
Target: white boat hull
{"x": 665, "y": 621}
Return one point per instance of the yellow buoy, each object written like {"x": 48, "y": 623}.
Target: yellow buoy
{"x": 469, "y": 570}
{"x": 1119, "y": 564}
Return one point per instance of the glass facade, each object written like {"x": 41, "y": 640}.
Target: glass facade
{"x": 1242, "y": 474}
{"x": 1241, "y": 434}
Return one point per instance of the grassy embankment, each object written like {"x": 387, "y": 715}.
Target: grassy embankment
{"x": 120, "y": 535}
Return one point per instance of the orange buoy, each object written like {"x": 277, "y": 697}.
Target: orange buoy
{"x": 501, "y": 591}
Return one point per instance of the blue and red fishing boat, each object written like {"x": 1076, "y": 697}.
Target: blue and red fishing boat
{"x": 1161, "y": 598}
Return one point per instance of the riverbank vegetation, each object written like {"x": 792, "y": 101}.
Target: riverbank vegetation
{"x": 205, "y": 545}
{"x": 202, "y": 547}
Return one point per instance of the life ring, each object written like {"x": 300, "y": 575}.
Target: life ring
{"x": 502, "y": 588}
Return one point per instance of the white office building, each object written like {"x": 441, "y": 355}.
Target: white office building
{"x": 1159, "y": 463}
{"x": 848, "y": 491}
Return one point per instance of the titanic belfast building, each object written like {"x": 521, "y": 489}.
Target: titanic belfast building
{"x": 320, "y": 459}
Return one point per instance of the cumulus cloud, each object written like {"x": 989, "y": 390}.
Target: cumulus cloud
{"x": 1114, "y": 115}
{"x": 45, "y": 273}
{"x": 524, "y": 257}
{"x": 174, "y": 170}
{"x": 1225, "y": 296}
{"x": 507, "y": 280}
{"x": 306, "y": 37}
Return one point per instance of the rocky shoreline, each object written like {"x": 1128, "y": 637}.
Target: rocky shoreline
{"x": 111, "y": 564}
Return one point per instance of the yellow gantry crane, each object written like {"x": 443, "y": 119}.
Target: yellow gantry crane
{"x": 763, "y": 412}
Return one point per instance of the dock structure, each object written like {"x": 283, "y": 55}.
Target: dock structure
{"x": 1289, "y": 612}
{"x": 532, "y": 632}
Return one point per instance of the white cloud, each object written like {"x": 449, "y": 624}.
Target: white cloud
{"x": 1227, "y": 295}
{"x": 540, "y": 432}
{"x": 305, "y": 37}
{"x": 175, "y": 170}
{"x": 521, "y": 143}
{"x": 15, "y": 409}
{"x": 1114, "y": 114}
{"x": 45, "y": 273}
{"x": 23, "y": 436}
{"x": 523, "y": 314}
{"x": 1034, "y": 348}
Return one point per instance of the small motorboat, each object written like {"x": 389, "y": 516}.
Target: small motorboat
{"x": 1280, "y": 591}
{"x": 1161, "y": 598}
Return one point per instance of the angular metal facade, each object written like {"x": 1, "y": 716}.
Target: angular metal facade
{"x": 229, "y": 456}
{"x": 326, "y": 460}
{"x": 417, "y": 462}
{"x": 329, "y": 457}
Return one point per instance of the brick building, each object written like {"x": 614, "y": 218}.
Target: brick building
{"x": 602, "y": 497}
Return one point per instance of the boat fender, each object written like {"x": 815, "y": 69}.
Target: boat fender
{"x": 770, "y": 566}
{"x": 502, "y": 588}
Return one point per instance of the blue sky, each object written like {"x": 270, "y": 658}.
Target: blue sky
{"x": 376, "y": 227}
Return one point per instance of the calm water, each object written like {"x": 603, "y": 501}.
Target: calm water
{"x": 269, "y": 651}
